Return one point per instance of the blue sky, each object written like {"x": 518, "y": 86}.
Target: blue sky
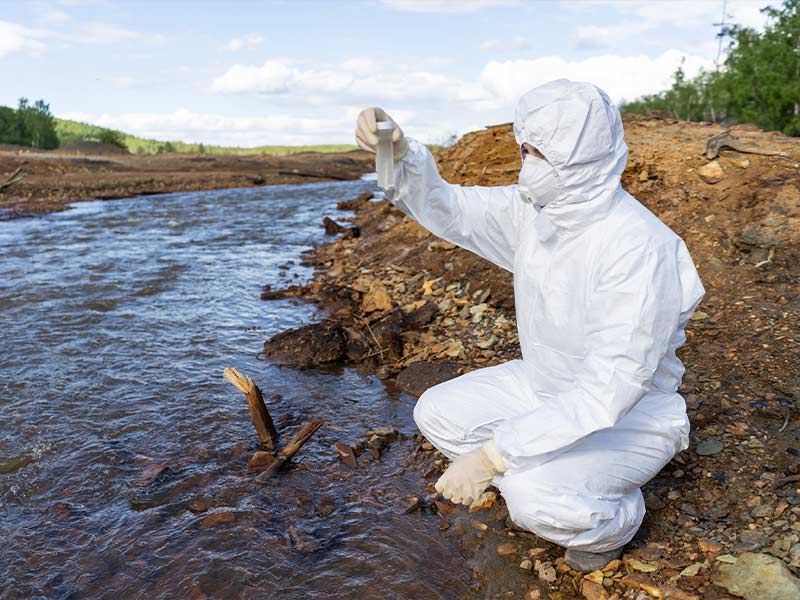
{"x": 295, "y": 72}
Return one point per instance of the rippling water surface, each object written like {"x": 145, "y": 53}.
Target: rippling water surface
{"x": 117, "y": 320}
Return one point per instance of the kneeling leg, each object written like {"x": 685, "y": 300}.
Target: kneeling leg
{"x": 461, "y": 414}
{"x": 589, "y": 497}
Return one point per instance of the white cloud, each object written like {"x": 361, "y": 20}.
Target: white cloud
{"x": 102, "y": 33}
{"x": 357, "y": 79}
{"x": 514, "y": 44}
{"x": 622, "y": 77}
{"x": 56, "y": 16}
{"x": 359, "y": 66}
{"x": 249, "y": 41}
{"x": 592, "y": 37}
{"x": 15, "y": 38}
{"x": 446, "y": 6}
{"x": 280, "y": 77}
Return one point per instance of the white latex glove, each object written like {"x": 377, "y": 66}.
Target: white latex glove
{"x": 367, "y": 132}
{"x": 470, "y": 474}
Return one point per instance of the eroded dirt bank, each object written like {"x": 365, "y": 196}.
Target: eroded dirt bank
{"x": 51, "y": 180}
{"x": 724, "y": 513}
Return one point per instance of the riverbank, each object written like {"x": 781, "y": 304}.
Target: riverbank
{"x": 724, "y": 513}
{"x": 51, "y": 180}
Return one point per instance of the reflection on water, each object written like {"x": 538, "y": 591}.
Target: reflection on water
{"x": 122, "y": 449}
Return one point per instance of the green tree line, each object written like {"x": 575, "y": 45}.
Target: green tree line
{"x": 29, "y": 125}
{"x": 759, "y": 81}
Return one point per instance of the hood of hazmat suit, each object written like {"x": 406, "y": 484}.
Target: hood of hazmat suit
{"x": 603, "y": 291}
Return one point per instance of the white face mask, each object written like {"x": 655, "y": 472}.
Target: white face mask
{"x": 538, "y": 181}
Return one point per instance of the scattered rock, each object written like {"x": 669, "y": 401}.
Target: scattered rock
{"x": 759, "y": 512}
{"x": 596, "y": 576}
{"x": 711, "y": 173}
{"x": 326, "y": 506}
{"x": 642, "y": 566}
{"x": 307, "y": 346}
{"x": 709, "y": 447}
{"x": 758, "y": 577}
{"x": 486, "y": 500}
{"x": 419, "y": 376}
{"x": 217, "y": 518}
{"x": 259, "y": 460}
{"x": 332, "y": 227}
{"x": 355, "y": 203}
{"x": 547, "y": 573}
{"x": 691, "y": 570}
{"x": 477, "y": 311}
{"x": 526, "y": 565}
{"x": 592, "y": 590}
{"x": 413, "y": 505}
{"x": 444, "y": 508}
{"x": 419, "y": 317}
{"x": 665, "y": 591}
{"x": 654, "y": 503}
{"x": 507, "y": 549}
{"x": 455, "y": 348}
{"x": 751, "y": 540}
{"x": 152, "y": 472}
{"x": 346, "y": 454}
{"x": 376, "y": 298}
{"x": 198, "y": 505}
{"x": 487, "y": 342}
{"x": 378, "y": 439}
{"x": 479, "y": 525}
{"x": 709, "y": 546}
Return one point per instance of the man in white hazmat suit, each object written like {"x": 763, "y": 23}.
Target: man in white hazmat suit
{"x": 603, "y": 291}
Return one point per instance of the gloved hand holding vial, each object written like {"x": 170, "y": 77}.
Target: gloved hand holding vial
{"x": 378, "y": 133}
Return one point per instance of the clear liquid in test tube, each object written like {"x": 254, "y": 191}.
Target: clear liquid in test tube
{"x": 384, "y": 155}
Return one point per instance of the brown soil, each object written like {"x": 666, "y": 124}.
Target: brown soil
{"x": 742, "y": 353}
{"x": 54, "y": 179}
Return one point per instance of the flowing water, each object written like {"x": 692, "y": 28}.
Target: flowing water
{"x": 117, "y": 320}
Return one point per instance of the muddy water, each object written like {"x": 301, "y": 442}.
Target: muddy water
{"x": 117, "y": 320}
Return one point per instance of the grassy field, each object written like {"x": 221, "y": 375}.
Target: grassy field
{"x": 73, "y": 131}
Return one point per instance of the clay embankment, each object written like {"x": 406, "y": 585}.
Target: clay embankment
{"x": 53, "y": 179}
{"x": 723, "y": 513}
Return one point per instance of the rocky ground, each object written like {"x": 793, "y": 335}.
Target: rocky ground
{"x": 46, "y": 181}
{"x": 724, "y": 517}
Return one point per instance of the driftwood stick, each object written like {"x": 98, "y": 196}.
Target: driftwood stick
{"x": 285, "y": 455}
{"x": 259, "y": 414}
{"x": 716, "y": 143}
{"x": 16, "y": 177}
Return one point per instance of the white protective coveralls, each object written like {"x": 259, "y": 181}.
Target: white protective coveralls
{"x": 603, "y": 292}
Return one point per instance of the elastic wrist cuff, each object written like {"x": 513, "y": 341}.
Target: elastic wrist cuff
{"x": 494, "y": 455}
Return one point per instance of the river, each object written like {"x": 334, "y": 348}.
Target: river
{"x": 117, "y": 320}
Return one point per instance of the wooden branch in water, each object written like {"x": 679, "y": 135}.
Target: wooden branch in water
{"x": 285, "y": 455}
{"x": 16, "y": 177}
{"x": 259, "y": 414}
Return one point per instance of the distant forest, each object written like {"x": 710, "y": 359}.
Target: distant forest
{"x": 28, "y": 125}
